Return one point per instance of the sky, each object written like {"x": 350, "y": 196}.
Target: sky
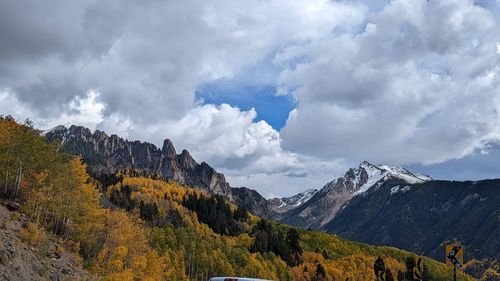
{"x": 279, "y": 95}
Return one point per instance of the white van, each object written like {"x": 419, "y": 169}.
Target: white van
{"x": 235, "y": 279}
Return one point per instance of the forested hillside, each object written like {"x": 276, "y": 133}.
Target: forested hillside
{"x": 133, "y": 226}
{"x": 422, "y": 217}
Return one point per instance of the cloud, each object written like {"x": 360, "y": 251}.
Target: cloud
{"x": 228, "y": 138}
{"x": 249, "y": 152}
{"x": 151, "y": 54}
{"x": 144, "y": 61}
{"x": 394, "y": 81}
{"x": 318, "y": 171}
{"x": 419, "y": 84}
{"x": 87, "y": 111}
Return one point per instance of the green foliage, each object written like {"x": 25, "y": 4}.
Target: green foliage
{"x": 273, "y": 239}
{"x": 207, "y": 253}
{"x": 216, "y": 213}
{"x": 149, "y": 212}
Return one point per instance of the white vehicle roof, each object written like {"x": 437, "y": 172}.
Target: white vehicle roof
{"x": 236, "y": 279}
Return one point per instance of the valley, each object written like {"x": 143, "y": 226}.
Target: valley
{"x": 375, "y": 204}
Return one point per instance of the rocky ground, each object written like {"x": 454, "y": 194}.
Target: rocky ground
{"x": 23, "y": 261}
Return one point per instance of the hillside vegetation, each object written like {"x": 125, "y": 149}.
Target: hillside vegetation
{"x": 152, "y": 229}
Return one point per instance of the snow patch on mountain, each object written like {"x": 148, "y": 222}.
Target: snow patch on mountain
{"x": 374, "y": 175}
{"x": 56, "y": 128}
{"x": 293, "y": 201}
{"x": 305, "y": 196}
{"x": 398, "y": 188}
{"x": 379, "y": 172}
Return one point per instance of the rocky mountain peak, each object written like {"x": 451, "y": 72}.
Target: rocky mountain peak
{"x": 185, "y": 160}
{"x": 168, "y": 149}
{"x": 100, "y": 135}
{"x": 57, "y": 128}
{"x": 79, "y": 130}
{"x": 104, "y": 154}
{"x": 366, "y": 164}
{"x": 250, "y": 199}
{"x": 324, "y": 204}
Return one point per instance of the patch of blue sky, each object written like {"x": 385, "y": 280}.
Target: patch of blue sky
{"x": 255, "y": 88}
{"x": 270, "y": 107}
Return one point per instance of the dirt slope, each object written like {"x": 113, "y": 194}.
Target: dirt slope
{"x": 21, "y": 261}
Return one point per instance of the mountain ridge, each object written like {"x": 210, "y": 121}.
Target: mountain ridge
{"x": 423, "y": 217}
{"x": 283, "y": 204}
{"x": 108, "y": 154}
{"x": 343, "y": 206}
{"x": 322, "y": 207}
{"x": 391, "y": 206}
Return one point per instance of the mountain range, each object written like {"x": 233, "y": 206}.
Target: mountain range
{"x": 322, "y": 205}
{"x": 105, "y": 154}
{"x": 377, "y": 204}
{"x": 58, "y": 221}
{"x": 384, "y": 205}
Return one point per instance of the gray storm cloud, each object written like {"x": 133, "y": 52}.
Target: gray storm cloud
{"x": 401, "y": 82}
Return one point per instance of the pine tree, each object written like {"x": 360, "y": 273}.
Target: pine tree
{"x": 401, "y": 276}
{"x": 388, "y": 275}
{"x": 425, "y": 275}
{"x": 410, "y": 264}
{"x": 320, "y": 273}
{"x": 378, "y": 267}
{"x": 293, "y": 241}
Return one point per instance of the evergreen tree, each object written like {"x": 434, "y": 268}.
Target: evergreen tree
{"x": 240, "y": 214}
{"x": 388, "y": 275}
{"x": 401, "y": 276}
{"x": 425, "y": 275}
{"x": 410, "y": 264}
{"x": 378, "y": 267}
{"x": 320, "y": 273}
{"x": 293, "y": 241}
{"x": 325, "y": 254}
{"x": 260, "y": 243}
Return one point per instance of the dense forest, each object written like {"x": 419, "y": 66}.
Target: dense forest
{"x": 134, "y": 226}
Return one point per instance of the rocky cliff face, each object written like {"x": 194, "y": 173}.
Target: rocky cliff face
{"x": 252, "y": 200}
{"x": 107, "y": 154}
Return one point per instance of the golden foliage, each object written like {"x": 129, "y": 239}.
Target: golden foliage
{"x": 32, "y": 234}
{"x": 56, "y": 193}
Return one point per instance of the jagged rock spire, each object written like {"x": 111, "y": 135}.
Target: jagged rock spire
{"x": 168, "y": 149}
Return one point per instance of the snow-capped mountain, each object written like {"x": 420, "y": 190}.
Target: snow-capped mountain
{"x": 283, "y": 204}
{"x": 321, "y": 207}
{"x": 377, "y": 172}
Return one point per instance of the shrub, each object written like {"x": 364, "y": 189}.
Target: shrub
{"x": 32, "y": 234}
